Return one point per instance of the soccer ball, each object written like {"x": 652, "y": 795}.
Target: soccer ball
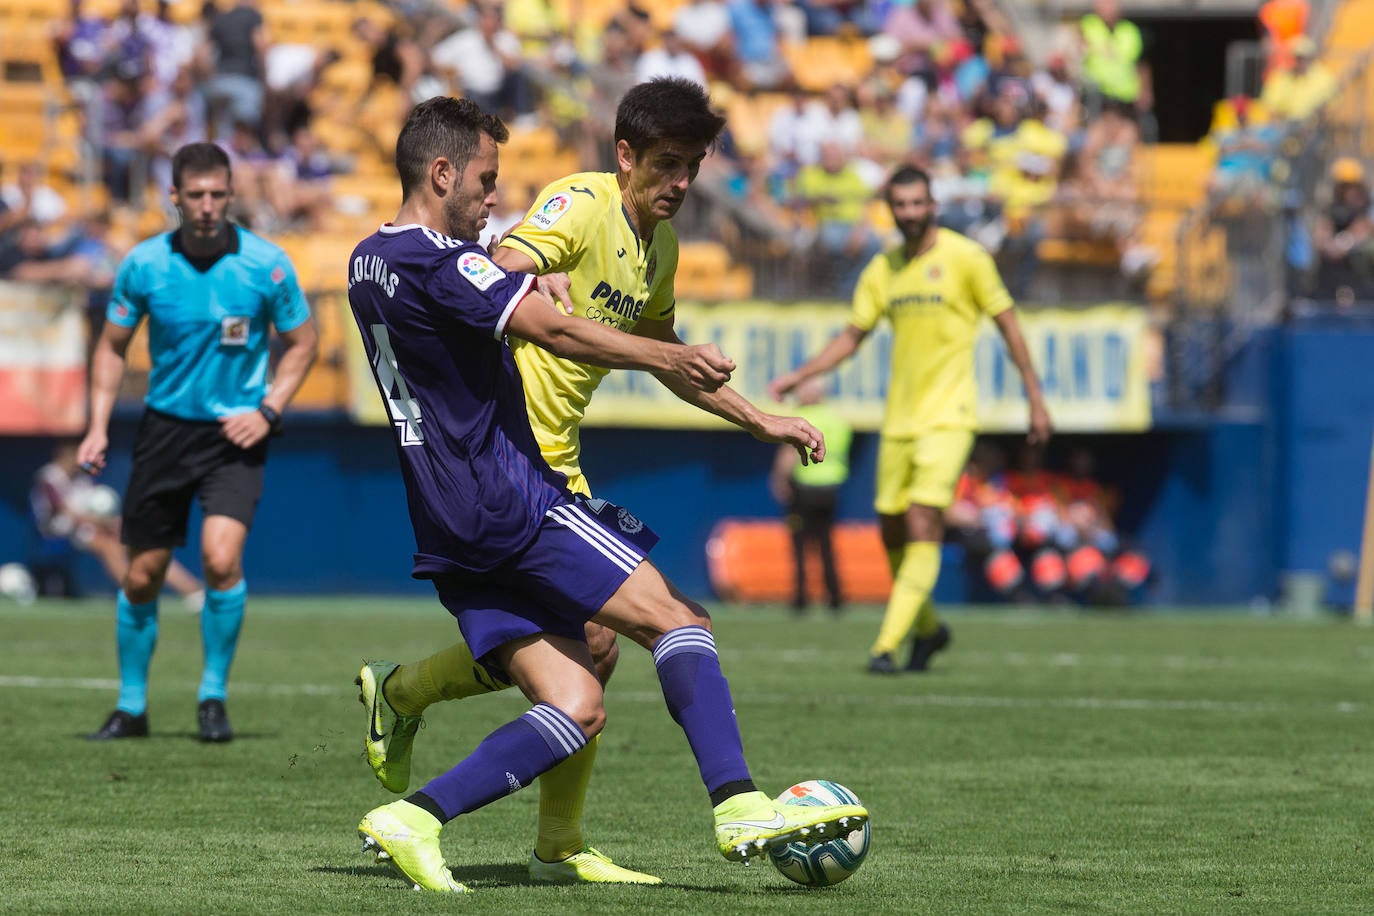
{"x": 17, "y": 583}
{"x": 99, "y": 500}
{"x": 825, "y": 863}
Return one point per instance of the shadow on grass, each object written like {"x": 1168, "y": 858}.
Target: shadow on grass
{"x": 494, "y": 875}
{"x": 472, "y": 875}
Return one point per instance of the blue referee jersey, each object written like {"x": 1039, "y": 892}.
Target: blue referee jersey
{"x": 207, "y": 320}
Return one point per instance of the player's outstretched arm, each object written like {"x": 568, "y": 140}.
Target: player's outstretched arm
{"x": 107, "y": 371}
{"x": 729, "y": 404}
{"x": 537, "y": 320}
{"x": 840, "y": 348}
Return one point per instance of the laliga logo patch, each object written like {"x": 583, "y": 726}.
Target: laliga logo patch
{"x": 628, "y": 523}
{"x": 479, "y": 270}
{"x": 552, "y": 211}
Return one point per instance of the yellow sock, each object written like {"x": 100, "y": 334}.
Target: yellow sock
{"x": 562, "y": 793}
{"x": 927, "y": 620}
{"x": 894, "y": 560}
{"x": 450, "y": 674}
{"x": 911, "y": 588}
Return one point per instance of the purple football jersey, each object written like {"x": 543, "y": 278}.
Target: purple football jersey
{"x": 432, "y": 311}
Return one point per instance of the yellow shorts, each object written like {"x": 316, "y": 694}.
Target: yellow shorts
{"x": 920, "y": 470}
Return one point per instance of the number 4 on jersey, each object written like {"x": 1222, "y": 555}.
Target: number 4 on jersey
{"x": 405, "y": 412}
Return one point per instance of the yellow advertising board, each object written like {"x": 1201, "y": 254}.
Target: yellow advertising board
{"x": 1092, "y": 364}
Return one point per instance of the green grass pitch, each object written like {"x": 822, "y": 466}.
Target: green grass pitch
{"x": 1051, "y": 762}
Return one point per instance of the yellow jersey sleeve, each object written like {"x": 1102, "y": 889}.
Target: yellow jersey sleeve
{"x": 564, "y": 217}
{"x": 985, "y": 285}
{"x": 870, "y": 294}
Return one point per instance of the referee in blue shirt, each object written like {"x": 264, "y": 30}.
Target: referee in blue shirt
{"x": 209, "y": 290}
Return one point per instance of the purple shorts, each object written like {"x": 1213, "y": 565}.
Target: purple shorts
{"x": 583, "y": 553}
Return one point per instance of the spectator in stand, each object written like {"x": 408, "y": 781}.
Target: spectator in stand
{"x": 1105, "y": 190}
{"x": 84, "y": 48}
{"x": 1297, "y": 92}
{"x": 837, "y": 196}
{"x": 834, "y": 117}
{"x": 171, "y": 46}
{"x": 302, "y": 183}
{"x": 539, "y": 25}
{"x": 170, "y": 120}
{"x": 1344, "y": 236}
{"x": 611, "y": 77}
{"x": 1113, "y": 71}
{"x": 1282, "y": 22}
{"x": 234, "y": 93}
{"x": 788, "y": 134}
{"x": 397, "y": 59}
{"x": 921, "y": 29}
{"x": 65, "y": 503}
{"x": 1057, "y": 90}
{"x": 29, "y": 196}
{"x": 639, "y": 26}
{"x": 485, "y": 62}
{"x": 670, "y": 58}
{"x": 1246, "y": 145}
{"x": 810, "y": 493}
{"x": 118, "y": 135}
{"x": 757, "y": 44}
{"x": 80, "y": 259}
{"x": 705, "y": 26}
{"x": 1023, "y": 159}
{"x": 938, "y": 135}
{"x": 887, "y": 132}
{"x": 254, "y": 201}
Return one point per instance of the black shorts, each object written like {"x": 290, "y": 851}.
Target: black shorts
{"x": 175, "y": 459}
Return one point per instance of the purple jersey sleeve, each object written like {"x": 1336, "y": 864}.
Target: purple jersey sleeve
{"x": 477, "y": 293}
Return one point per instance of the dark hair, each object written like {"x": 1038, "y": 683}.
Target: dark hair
{"x": 199, "y": 158}
{"x": 666, "y": 108}
{"x": 442, "y": 126}
{"x": 905, "y": 174}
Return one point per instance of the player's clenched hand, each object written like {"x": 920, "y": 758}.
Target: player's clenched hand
{"x": 245, "y": 429}
{"x": 556, "y": 287}
{"x": 796, "y": 432}
{"x": 703, "y": 366}
{"x": 90, "y": 454}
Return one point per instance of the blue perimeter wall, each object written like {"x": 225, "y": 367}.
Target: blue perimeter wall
{"x": 1222, "y": 506}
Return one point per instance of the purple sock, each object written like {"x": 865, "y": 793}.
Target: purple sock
{"x": 507, "y": 760}
{"x": 698, "y": 697}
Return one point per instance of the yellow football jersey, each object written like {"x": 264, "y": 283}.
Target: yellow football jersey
{"x": 935, "y": 304}
{"x": 578, "y": 226}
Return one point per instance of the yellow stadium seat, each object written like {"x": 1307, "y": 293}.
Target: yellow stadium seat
{"x": 1352, "y": 27}
{"x": 824, "y": 61}
{"x": 1174, "y": 173}
{"x": 1078, "y": 251}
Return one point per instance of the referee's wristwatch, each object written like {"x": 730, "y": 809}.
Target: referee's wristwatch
{"x": 272, "y": 417}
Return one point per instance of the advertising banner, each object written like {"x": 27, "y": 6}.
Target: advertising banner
{"x": 1092, "y": 364}
{"x": 42, "y": 360}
